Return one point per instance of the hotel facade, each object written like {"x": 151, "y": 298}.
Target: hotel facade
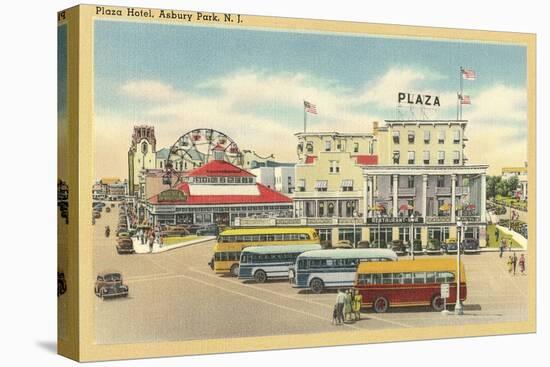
{"x": 406, "y": 178}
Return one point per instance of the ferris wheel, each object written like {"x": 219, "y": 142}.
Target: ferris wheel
{"x": 197, "y": 147}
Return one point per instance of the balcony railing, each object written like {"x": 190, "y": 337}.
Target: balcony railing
{"x": 315, "y": 221}
{"x": 446, "y": 191}
{"x": 406, "y": 191}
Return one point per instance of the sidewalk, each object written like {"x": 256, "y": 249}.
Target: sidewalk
{"x": 144, "y": 249}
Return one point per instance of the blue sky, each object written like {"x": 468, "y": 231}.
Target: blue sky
{"x": 252, "y": 82}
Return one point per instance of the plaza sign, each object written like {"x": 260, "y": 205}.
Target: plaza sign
{"x": 172, "y": 195}
{"x": 418, "y": 99}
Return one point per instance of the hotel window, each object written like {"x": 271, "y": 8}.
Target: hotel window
{"x": 396, "y": 137}
{"x": 410, "y": 157}
{"x": 347, "y": 185}
{"x": 334, "y": 167}
{"x": 302, "y": 185}
{"x": 411, "y": 137}
{"x": 356, "y": 147}
{"x": 441, "y": 157}
{"x": 328, "y": 145}
{"x": 441, "y": 137}
{"x": 426, "y": 157}
{"x": 456, "y": 157}
{"x": 426, "y": 136}
{"x": 396, "y": 155}
{"x": 321, "y": 185}
{"x": 456, "y": 136}
{"x": 410, "y": 182}
{"x": 309, "y": 147}
{"x": 440, "y": 181}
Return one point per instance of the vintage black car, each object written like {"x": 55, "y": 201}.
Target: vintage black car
{"x": 434, "y": 247}
{"x": 417, "y": 247}
{"x": 125, "y": 246}
{"x": 109, "y": 285}
{"x": 363, "y": 244}
{"x": 208, "y": 230}
{"x": 398, "y": 247}
{"x": 452, "y": 247}
{"x": 470, "y": 246}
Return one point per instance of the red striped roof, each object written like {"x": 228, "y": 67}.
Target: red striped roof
{"x": 367, "y": 160}
{"x": 219, "y": 168}
{"x": 266, "y": 195}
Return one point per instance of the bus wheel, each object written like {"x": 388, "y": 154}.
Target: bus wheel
{"x": 260, "y": 276}
{"x": 316, "y": 286}
{"x": 437, "y": 303}
{"x": 380, "y": 305}
{"x": 234, "y": 270}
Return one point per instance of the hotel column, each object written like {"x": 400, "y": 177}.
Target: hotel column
{"x": 483, "y": 198}
{"x": 366, "y": 197}
{"x": 453, "y": 201}
{"x": 395, "y": 185}
{"x": 424, "y": 195}
{"x": 370, "y": 191}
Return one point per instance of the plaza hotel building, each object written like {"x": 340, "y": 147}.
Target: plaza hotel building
{"x": 407, "y": 177}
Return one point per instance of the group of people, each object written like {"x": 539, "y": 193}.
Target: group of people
{"x": 150, "y": 236}
{"x": 348, "y": 306}
{"x": 513, "y": 262}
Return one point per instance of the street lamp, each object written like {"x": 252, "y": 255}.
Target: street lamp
{"x": 354, "y": 214}
{"x": 458, "y": 304}
{"x": 411, "y": 236}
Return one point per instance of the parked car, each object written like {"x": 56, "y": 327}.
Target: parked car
{"x": 452, "y": 247}
{"x": 434, "y": 247}
{"x": 378, "y": 244}
{"x": 470, "y": 246}
{"x": 112, "y": 205}
{"x": 125, "y": 246}
{"x": 109, "y": 285}
{"x": 398, "y": 247}
{"x": 96, "y": 214}
{"x": 208, "y": 230}
{"x": 363, "y": 244}
{"x": 417, "y": 247}
{"x": 175, "y": 231}
{"x": 343, "y": 244}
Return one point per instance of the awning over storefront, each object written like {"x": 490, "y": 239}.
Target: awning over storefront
{"x": 321, "y": 184}
{"x": 347, "y": 183}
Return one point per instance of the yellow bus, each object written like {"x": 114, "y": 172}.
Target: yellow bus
{"x": 408, "y": 283}
{"x": 227, "y": 250}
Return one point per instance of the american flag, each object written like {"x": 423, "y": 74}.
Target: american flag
{"x": 465, "y": 100}
{"x": 468, "y": 74}
{"x": 310, "y": 107}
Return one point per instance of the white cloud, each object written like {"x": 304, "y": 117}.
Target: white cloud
{"x": 498, "y": 103}
{"x": 150, "y": 90}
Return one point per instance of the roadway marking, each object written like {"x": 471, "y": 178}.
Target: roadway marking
{"x": 290, "y": 297}
{"x": 247, "y": 296}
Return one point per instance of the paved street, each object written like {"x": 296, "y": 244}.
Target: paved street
{"x": 175, "y": 296}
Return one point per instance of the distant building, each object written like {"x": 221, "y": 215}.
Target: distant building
{"x": 141, "y": 155}
{"x": 522, "y": 174}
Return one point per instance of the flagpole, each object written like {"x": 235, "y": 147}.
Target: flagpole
{"x": 461, "y": 93}
{"x": 305, "y": 115}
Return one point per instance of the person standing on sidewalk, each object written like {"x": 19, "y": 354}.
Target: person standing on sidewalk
{"x": 151, "y": 241}
{"x": 514, "y": 262}
{"x": 347, "y": 306}
{"x": 501, "y": 248}
{"x": 509, "y": 263}
{"x": 522, "y": 264}
{"x": 340, "y": 298}
{"x": 356, "y": 305}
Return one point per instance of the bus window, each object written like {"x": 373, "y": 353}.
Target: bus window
{"x": 387, "y": 278}
{"x": 303, "y": 264}
{"x": 330, "y": 262}
{"x": 304, "y": 236}
{"x": 244, "y": 259}
{"x": 445, "y": 277}
{"x": 419, "y": 278}
{"x": 376, "y": 278}
{"x": 397, "y": 278}
{"x": 430, "y": 277}
{"x": 407, "y": 278}
{"x": 364, "y": 279}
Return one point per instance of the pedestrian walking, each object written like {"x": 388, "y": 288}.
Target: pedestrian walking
{"x": 347, "y": 306}
{"x": 509, "y": 262}
{"x": 522, "y": 264}
{"x": 497, "y": 233}
{"x": 356, "y": 305}
{"x": 151, "y": 241}
{"x": 514, "y": 262}
{"x": 501, "y": 248}
{"x": 340, "y": 297}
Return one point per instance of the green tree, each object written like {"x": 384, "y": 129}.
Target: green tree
{"x": 512, "y": 184}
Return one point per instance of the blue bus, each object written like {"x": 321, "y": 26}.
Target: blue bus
{"x": 266, "y": 262}
{"x": 321, "y": 269}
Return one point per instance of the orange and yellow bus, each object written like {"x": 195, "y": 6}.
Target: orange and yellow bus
{"x": 227, "y": 250}
{"x": 408, "y": 283}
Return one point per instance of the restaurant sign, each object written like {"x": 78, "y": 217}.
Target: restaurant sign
{"x": 392, "y": 220}
{"x": 172, "y": 195}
